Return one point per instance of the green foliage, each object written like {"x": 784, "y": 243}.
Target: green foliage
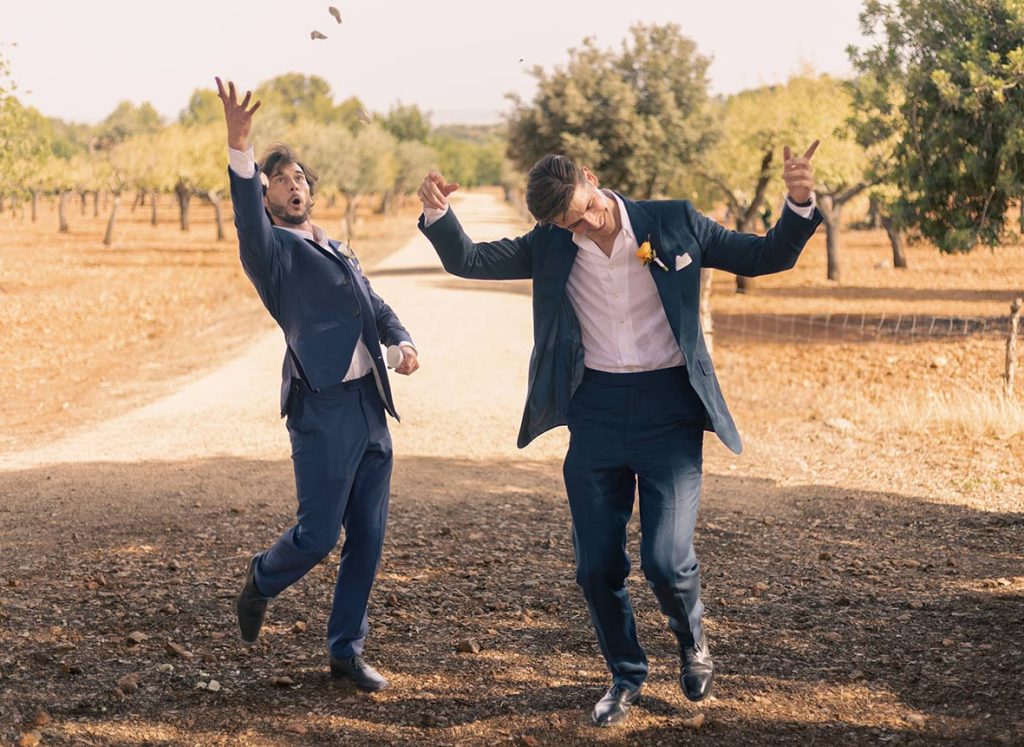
{"x": 407, "y": 122}
{"x": 294, "y": 96}
{"x": 414, "y": 159}
{"x": 944, "y": 79}
{"x": 126, "y": 120}
{"x": 638, "y": 117}
{"x": 204, "y": 108}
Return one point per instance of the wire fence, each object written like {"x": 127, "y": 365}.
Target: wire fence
{"x": 853, "y": 328}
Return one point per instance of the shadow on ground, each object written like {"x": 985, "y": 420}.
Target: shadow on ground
{"x": 833, "y": 615}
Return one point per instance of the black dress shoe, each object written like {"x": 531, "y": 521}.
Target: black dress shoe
{"x": 356, "y": 669}
{"x": 614, "y": 706}
{"x": 251, "y": 606}
{"x": 697, "y": 670}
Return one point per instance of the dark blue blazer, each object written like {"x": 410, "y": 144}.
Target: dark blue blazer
{"x": 546, "y": 255}
{"x": 321, "y": 300}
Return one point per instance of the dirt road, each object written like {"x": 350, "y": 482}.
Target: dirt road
{"x": 836, "y": 613}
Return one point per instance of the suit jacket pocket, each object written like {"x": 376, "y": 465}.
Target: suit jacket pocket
{"x": 706, "y": 366}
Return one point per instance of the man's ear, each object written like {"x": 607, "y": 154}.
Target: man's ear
{"x": 590, "y": 176}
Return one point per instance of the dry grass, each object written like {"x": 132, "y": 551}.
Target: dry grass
{"x": 975, "y": 413}
{"x": 91, "y": 330}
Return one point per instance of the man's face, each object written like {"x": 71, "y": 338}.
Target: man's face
{"x": 287, "y": 196}
{"x": 590, "y": 212}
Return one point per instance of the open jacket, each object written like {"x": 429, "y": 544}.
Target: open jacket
{"x": 546, "y": 255}
{"x": 321, "y": 299}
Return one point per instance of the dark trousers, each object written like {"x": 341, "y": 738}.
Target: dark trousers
{"x": 341, "y": 450}
{"x": 634, "y": 430}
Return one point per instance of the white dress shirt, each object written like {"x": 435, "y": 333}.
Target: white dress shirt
{"x": 243, "y": 163}
{"x": 622, "y": 319}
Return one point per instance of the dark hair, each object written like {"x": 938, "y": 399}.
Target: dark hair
{"x": 278, "y": 155}
{"x": 550, "y": 186}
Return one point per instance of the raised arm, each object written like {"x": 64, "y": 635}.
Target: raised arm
{"x": 258, "y": 247}
{"x": 505, "y": 259}
{"x": 778, "y": 250}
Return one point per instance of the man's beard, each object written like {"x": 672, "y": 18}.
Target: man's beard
{"x": 281, "y": 212}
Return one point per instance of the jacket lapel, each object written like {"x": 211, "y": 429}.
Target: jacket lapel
{"x": 647, "y": 227}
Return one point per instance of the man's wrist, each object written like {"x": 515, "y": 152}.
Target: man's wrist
{"x": 801, "y": 203}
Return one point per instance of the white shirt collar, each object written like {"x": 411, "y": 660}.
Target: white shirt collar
{"x": 318, "y": 236}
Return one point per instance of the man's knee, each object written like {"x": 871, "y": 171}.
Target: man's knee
{"x": 664, "y": 575}
{"x": 601, "y": 574}
{"x": 316, "y": 544}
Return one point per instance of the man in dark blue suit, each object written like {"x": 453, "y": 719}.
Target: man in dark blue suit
{"x": 334, "y": 390}
{"x": 619, "y": 356}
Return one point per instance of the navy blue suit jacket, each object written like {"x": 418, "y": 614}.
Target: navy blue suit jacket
{"x": 321, "y": 300}
{"x": 546, "y": 255}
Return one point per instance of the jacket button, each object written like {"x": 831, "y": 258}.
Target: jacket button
{"x": 356, "y": 311}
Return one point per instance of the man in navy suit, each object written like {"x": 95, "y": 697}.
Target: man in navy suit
{"x": 334, "y": 390}
{"x": 619, "y": 356}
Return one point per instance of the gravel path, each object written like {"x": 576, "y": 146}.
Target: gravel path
{"x": 837, "y": 613}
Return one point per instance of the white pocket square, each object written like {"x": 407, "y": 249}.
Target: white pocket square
{"x": 682, "y": 261}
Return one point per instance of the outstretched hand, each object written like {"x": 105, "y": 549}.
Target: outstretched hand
{"x": 799, "y": 174}
{"x": 434, "y": 191}
{"x": 237, "y": 114}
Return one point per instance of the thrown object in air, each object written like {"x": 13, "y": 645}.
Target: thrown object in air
{"x": 363, "y": 116}
{"x": 314, "y": 35}
{"x": 335, "y": 12}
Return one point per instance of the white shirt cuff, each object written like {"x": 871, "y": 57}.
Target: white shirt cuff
{"x": 407, "y": 344}
{"x": 433, "y": 215}
{"x": 242, "y": 162}
{"x": 804, "y": 211}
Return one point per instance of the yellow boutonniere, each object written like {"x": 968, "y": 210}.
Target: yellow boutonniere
{"x": 646, "y": 255}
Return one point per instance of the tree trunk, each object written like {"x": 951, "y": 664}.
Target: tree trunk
{"x": 1, "y": 203}
{"x": 140, "y": 199}
{"x": 184, "y": 195}
{"x": 706, "y": 323}
{"x": 830, "y": 213}
{"x": 214, "y": 198}
{"x": 875, "y": 217}
{"x": 62, "y": 212}
{"x": 152, "y": 208}
{"x": 387, "y": 202}
{"x": 108, "y": 238}
{"x": 743, "y": 283}
{"x": 35, "y": 205}
{"x": 96, "y": 204}
{"x": 899, "y": 257}
{"x": 351, "y": 203}
{"x": 83, "y": 196}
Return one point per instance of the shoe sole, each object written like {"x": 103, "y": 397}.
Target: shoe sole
{"x": 345, "y": 678}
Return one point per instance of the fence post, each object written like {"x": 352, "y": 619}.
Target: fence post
{"x": 1011, "y": 347}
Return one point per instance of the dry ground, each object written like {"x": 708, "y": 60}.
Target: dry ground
{"x": 864, "y": 583}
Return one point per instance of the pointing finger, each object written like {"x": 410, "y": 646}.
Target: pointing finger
{"x": 220, "y": 89}
{"x": 810, "y": 151}
{"x": 245, "y": 101}
{"x": 231, "y": 91}
{"x": 786, "y": 153}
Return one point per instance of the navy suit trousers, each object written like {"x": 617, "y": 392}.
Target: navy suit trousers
{"x": 627, "y": 431}
{"x": 341, "y": 452}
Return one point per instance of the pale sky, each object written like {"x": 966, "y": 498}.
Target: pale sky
{"x": 455, "y": 58}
